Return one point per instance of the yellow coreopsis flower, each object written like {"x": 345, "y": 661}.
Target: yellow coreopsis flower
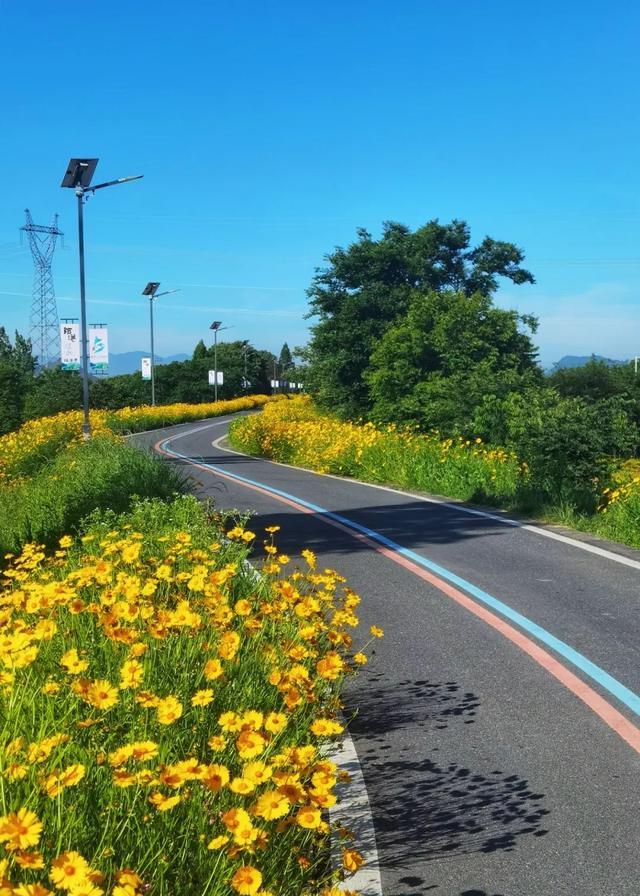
{"x": 250, "y": 744}
{"x": 308, "y": 817}
{"x": 246, "y": 881}
{"x": 131, "y": 674}
{"x": 271, "y": 804}
{"x": 218, "y": 842}
{"x": 257, "y": 772}
{"x": 275, "y": 722}
{"x": 242, "y": 786}
{"x": 163, "y": 803}
{"x": 213, "y": 669}
{"x": 68, "y": 777}
{"x": 215, "y": 777}
{"x": 29, "y": 860}
{"x": 351, "y": 859}
{"x": 202, "y": 697}
{"x": 326, "y": 727}
{"x": 25, "y": 890}
{"x": 102, "y": 694}
{"x": 229, "y": 644}
{"x": 169, "y": 709}
{"x": 20, "y": 830}
{"x": 142, "y": 750}
{"x": 69, "y": 870}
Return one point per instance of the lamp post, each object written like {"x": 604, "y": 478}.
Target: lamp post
{"x": 245, "y": 346}
{"x": 78, "y": 178}
{"x": 151, "y": 290}
{"x": 216, "y": 327}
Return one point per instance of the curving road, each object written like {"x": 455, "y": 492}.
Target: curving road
{"x": 498, "y": 720}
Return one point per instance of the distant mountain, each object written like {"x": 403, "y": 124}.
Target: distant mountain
{"x": 580, "y": 360}
{"x": 130, "y": 362}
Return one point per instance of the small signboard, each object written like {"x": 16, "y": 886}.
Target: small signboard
{"x": 98, "y": 349}
{"x": 146, "y": 368}
{"x": 70, "y": 346}
{"x": 212, "y": 378}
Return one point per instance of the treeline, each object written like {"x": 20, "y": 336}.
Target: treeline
{"x": 23, "y": 396}
{"x": 407, "y": 332}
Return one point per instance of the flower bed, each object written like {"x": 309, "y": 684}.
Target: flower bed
{"x": 163, "y": 714}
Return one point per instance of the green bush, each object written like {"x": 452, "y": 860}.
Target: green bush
{"x": 570, "y": 445}
{"x": 100, "y": 474}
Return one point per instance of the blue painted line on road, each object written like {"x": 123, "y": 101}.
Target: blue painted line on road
{"x": 577, "y": 659}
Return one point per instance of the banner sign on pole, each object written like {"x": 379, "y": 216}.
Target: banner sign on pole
{"x": 70, "y": 346}
{"x": 275, "y": 384}
{"x": 212, "y": 378}
{"x": 98, "y": 348}
{"x": 146, "y": 368}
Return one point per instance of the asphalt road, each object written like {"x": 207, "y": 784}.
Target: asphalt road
{"x": 487, "y": 775}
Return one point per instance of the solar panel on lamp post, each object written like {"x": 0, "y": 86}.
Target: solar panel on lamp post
{"x": 216, "y": 327}
{"x": 151, "y": 290}
{"x": 78, "y": 178}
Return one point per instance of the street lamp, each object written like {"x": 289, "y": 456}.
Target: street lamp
{"x": 216, "y": 327}
{"x": 78, "y": 177}
{"x": 245, "y": 346}
{"x": 151, "y": 290}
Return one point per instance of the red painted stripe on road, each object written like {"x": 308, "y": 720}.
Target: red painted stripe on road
{"x": 625, "y": 729}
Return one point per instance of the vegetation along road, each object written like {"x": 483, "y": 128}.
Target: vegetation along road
{"x": 497, "y": 721}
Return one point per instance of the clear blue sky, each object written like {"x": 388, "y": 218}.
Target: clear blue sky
{"x": 268, "y": 131}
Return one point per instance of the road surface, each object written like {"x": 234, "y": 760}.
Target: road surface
{"x": 497, "y": 722}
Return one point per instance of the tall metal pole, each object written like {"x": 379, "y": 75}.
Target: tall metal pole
{"x": 215, "y": 364}
{"x": 86, "y": 424}
{"x": 153, "y": 364}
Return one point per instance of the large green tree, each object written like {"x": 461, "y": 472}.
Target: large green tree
{"x": 368, "y": 286}
{"x": 434, "y": 365}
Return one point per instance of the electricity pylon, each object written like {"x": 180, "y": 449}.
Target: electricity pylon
{"x": 43, "y": 321}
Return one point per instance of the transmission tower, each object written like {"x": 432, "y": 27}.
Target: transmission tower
{"x": 43, "y": 322}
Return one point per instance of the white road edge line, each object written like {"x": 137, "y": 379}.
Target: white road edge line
{"x": 142, "y": 432}
{"x": 353, "y": 811}
{"x": 507, "y": 521}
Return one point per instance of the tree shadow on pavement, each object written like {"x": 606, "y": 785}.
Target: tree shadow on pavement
{"x": 480, "y": 893}
{"x": 425, "y": 810}
{"x": 412, "y": 523}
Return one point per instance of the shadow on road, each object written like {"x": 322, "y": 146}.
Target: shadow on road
{"x": 425, "y": 810}
{"x": 480, "y": 893}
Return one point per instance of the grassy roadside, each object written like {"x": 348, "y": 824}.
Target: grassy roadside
{"x": 37, "y": 442}
{"x": 50, "y": 479}
{"x": 470, "y": 471}
{"x": 163, "y": 715}
{"x": 102, "y": 473}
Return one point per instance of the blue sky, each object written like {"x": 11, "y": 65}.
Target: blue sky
{"x": 268, "y": 131}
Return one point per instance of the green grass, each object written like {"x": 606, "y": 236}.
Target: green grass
{"x": 98, "y": 474}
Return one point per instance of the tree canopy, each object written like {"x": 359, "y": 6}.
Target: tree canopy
{"x": 435, "y": 364}
{"x": 368, "y": 286}
{"x": 17, "y": 365}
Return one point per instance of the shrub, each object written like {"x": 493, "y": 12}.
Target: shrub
{"x": 102, "y": 473}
